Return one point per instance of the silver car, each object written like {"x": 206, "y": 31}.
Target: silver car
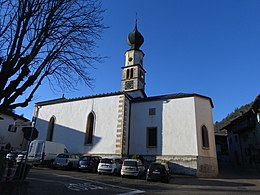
{"x": 132, "y": 167}
{"x": 110, "y": 166}
{"x": 68, "y": 161}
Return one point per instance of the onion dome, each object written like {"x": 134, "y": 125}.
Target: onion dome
{"x": 135, "y": 39}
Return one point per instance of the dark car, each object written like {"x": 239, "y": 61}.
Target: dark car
{"x": 158, "y": 172}
{"x": 88, "y": 163}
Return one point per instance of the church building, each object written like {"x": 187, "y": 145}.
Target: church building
{"x": 175, "y": 128}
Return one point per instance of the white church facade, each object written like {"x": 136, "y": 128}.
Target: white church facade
{"x": 177, "y": 128}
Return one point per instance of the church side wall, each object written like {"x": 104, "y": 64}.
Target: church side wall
{"x": 179, "y": 127}
{"x": 71, "y": 121}
{"x": 180, "y": 138}
{"x": 207, "y": 158}
{"x": 140, "y": 121}
{"x": 176, "y": 135}
{"x": 175, "y": 122}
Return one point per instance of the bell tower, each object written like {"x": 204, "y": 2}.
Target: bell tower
{"x": 133, "y": 73}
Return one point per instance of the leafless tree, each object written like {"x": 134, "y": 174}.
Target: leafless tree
{"x": 50, "y": 40}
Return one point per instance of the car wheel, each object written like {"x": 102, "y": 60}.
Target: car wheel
{"x": 94, "y": 170}
{"x": 69, "y": 167}
{"x": 51, "y": 164}
{"x": 114, "y": 172}
{"x": 166, "y": 180}
{"x": 99, "y": 173}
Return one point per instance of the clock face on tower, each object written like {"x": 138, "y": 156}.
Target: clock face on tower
{"x": 129, "y": 85}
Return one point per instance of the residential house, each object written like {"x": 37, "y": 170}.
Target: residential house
{"x": 244, "y": 136}
{"x": 11, "y": 137}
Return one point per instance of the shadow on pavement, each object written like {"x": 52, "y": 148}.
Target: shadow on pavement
{"x": 14, "y": 187}
{"x": 231, "y": 172}
{"x": 228, "y": 177}
{"x": 207, "y": 182}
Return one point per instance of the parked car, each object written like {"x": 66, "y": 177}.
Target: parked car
{"x": 88, "y": 163}
{"x": 132, "y": 167}
{"x": 21, "y": 157}
{"x": 17, "y": 156}
{"x": 12, "y": 155}
{"x": 158, "y": 172}
{"x": 68, "y": 161}
{"x": 110, "y": 166}
{"x": 44, "y": 152}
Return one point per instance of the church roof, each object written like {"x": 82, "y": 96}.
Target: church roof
{"x": 172, "y": 96}
{"x": 134, "y": 100}
{"x": 63, "y": 99}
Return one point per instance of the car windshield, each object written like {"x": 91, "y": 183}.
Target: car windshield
{"x": 130, "y": 163}
{"x": 63, "y": 156}
{"x": 157, "y": 167}
{"x": 39, "y": 148}
{"x": 106, "y": 160}
{"x": 85, "y": 158}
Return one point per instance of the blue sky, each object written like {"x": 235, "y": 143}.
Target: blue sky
{"x": 209, "y": 47}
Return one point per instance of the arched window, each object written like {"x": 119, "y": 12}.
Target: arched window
{"x": 127, "y": 73}
{"x": 50, "y": 128}
{"x": 205, "y": 137}
{"x": 89, "y": 129}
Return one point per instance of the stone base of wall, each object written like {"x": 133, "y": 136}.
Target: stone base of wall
{"x": 188, "y": 165}
{"x": 106, "y": 155}
{"x": 207, "y": 167}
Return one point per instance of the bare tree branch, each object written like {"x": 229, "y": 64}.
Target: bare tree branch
{"x": 46, "y": 39}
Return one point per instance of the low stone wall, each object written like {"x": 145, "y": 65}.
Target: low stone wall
{"x": 185, "y": 165}
{"x": 188, "y": 165}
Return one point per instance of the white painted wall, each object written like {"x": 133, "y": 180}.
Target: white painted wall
{"x": 16, "y": 139}
{"x": 140, "y": 120}
{"x": 175, "y": 120}
{"x": 179, "y": 130}
{"x": 71, "y": 119}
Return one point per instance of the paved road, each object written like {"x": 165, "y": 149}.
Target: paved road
{"x": 42, "y": 181}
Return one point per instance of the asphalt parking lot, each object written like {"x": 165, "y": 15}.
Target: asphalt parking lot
{"x": 43, "y": 181}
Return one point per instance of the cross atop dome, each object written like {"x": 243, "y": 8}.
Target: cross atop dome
{"x": 135, "y": 38}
